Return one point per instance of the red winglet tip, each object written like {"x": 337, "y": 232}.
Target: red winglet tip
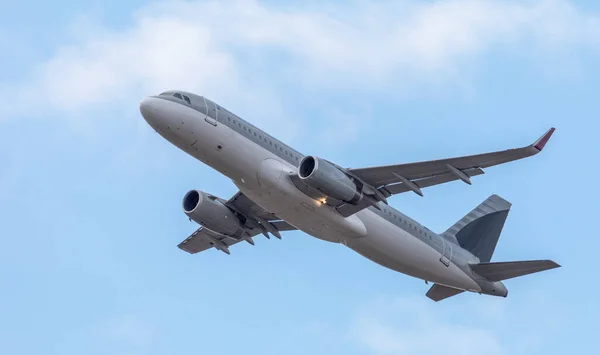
{"x": 541, "y": 143}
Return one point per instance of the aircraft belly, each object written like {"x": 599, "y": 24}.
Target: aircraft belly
{"x": 263, "y": 177}
{"x": 278, "y": 194}
{"x": 396, "y": 249}
{"x": 304, "y": 213}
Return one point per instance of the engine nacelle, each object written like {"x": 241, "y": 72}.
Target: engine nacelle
{"x": 208, "y": 211}
{"x": 328, "y": 179}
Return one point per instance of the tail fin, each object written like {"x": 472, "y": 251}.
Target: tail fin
{"x": 508, "y": 270}
{"x": 478, "y": 231}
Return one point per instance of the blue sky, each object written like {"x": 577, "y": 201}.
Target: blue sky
{"x": 90, "y": 195}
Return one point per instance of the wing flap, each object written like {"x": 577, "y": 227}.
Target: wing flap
{"x": 429, "y": 181}
{"x": 439, "y": 292}
{"x": 203, "y": 239}
{"x": 244, "y": 205}
{"x": 282, "y": 226}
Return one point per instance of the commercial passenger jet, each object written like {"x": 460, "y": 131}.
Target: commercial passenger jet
{"x": 280, "y": 189}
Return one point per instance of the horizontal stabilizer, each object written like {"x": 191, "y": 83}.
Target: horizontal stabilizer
{"x": 439, "y": 292}
{"x": 508, "y": 270}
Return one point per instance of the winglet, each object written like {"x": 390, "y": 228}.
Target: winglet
{"x": 540, "y": 143}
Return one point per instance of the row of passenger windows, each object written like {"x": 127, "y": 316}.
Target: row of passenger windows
{"x": 410, "y": 224}
{"x": 264, "y": 139}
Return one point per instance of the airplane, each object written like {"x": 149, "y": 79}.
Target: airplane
{"x": 281, "y": 189}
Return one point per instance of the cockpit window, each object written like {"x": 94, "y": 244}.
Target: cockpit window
{"x": 180, "y": 97}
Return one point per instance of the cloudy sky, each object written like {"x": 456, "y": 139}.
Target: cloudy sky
{"x": 90, "y": 196}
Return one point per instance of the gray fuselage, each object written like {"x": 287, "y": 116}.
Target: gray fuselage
{"x": 260, "y": 166}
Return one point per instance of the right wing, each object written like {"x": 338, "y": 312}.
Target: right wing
{"x": 257, "y": 221}
{"x": 394, "y": 179}
{"x": 381, "y": 182}
{"x": 375, "y": 184}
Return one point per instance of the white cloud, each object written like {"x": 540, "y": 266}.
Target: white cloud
{"x": 418, "y": 326}
{"x": 469, "y": 325}
{"x": 227, "y": 49}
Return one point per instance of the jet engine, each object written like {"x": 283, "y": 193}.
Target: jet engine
{"x": 211, "y": 213}
{"x": 328, "y": 179}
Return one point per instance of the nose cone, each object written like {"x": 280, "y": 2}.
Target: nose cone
{"x": 148, "y": 108}
{"x": 151, "y": 110}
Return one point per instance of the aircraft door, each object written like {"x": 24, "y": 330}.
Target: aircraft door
{"x": 211, "y": 112}
{"x": 446, "y": 252}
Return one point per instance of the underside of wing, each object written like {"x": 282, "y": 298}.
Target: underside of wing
{"x": 203, "y": 239}
{"x": 251, "y": 219}
{"x": 393, "y": 179}
{"x": 244, "y": 205}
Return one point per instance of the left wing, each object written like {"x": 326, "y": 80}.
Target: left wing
{"x": 256, "y": 221}
{"x": 394, "y": 179}
{"x": 203, "y": 239}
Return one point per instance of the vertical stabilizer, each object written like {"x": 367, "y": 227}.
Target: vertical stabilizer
{"x": 479, "y": 231}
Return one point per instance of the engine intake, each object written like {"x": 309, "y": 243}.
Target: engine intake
{"x": 208, "y": 211}
{"x": 328, "y": 179}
